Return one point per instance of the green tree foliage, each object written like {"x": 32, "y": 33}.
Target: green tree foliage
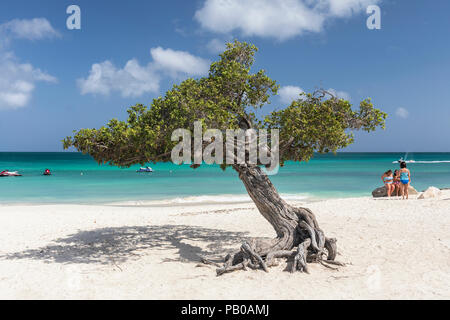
{"x": 228, "y": 97}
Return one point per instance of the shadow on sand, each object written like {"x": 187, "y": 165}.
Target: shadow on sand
{"x": 117, "y": 245}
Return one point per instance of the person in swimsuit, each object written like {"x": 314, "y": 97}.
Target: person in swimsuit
{"x": 405, "y": 180}
{"x": 388, "y": 180}
{"x": 397, "y": 183}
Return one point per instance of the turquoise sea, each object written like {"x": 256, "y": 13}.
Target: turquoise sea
{"x": 79, "y": 179}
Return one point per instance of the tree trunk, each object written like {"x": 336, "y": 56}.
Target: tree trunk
{"x": 298, "y": 233}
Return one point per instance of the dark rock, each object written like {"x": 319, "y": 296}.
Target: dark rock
{"x": 382, "y": 192}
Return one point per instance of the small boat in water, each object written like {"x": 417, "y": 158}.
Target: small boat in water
{"x": 405, "y": 161}
{"x": 47, "y": 172}
{"x": 146, "y": 169}
{"x": 7, "y": 173}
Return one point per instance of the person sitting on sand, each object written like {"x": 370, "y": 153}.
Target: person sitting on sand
{"x": 405, "y": 179}
{"x": 397, "y": 184}
{"x": 388, "y": 180}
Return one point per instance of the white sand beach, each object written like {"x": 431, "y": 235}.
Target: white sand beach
{"x": 393, "y": 250}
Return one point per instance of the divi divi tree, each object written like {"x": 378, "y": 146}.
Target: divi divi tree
{"x": 228, "y": 98}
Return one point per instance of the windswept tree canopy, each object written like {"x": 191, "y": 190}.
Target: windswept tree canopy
{"x": 227, "y": 99}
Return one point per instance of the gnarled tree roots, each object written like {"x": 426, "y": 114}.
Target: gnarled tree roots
{"x": 310, "y": 246}
{"x": 299, "y": 238}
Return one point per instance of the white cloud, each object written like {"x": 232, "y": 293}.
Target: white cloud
{"x": 216, "y": 46}
{"x": 32, "y": 29}
{"x": 346, "y": 8}
{"x": 176, "y": 62}
{"x": 17, "y": 81}
{"x": 134, "y": 80}
{"x": 289, "y": 93}
{"x": 402, "y": 113}
{"x": 340, "y": 94}
{"x": 282, "y": 19}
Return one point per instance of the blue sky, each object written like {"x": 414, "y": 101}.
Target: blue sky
{"x": 50, "y": 81}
